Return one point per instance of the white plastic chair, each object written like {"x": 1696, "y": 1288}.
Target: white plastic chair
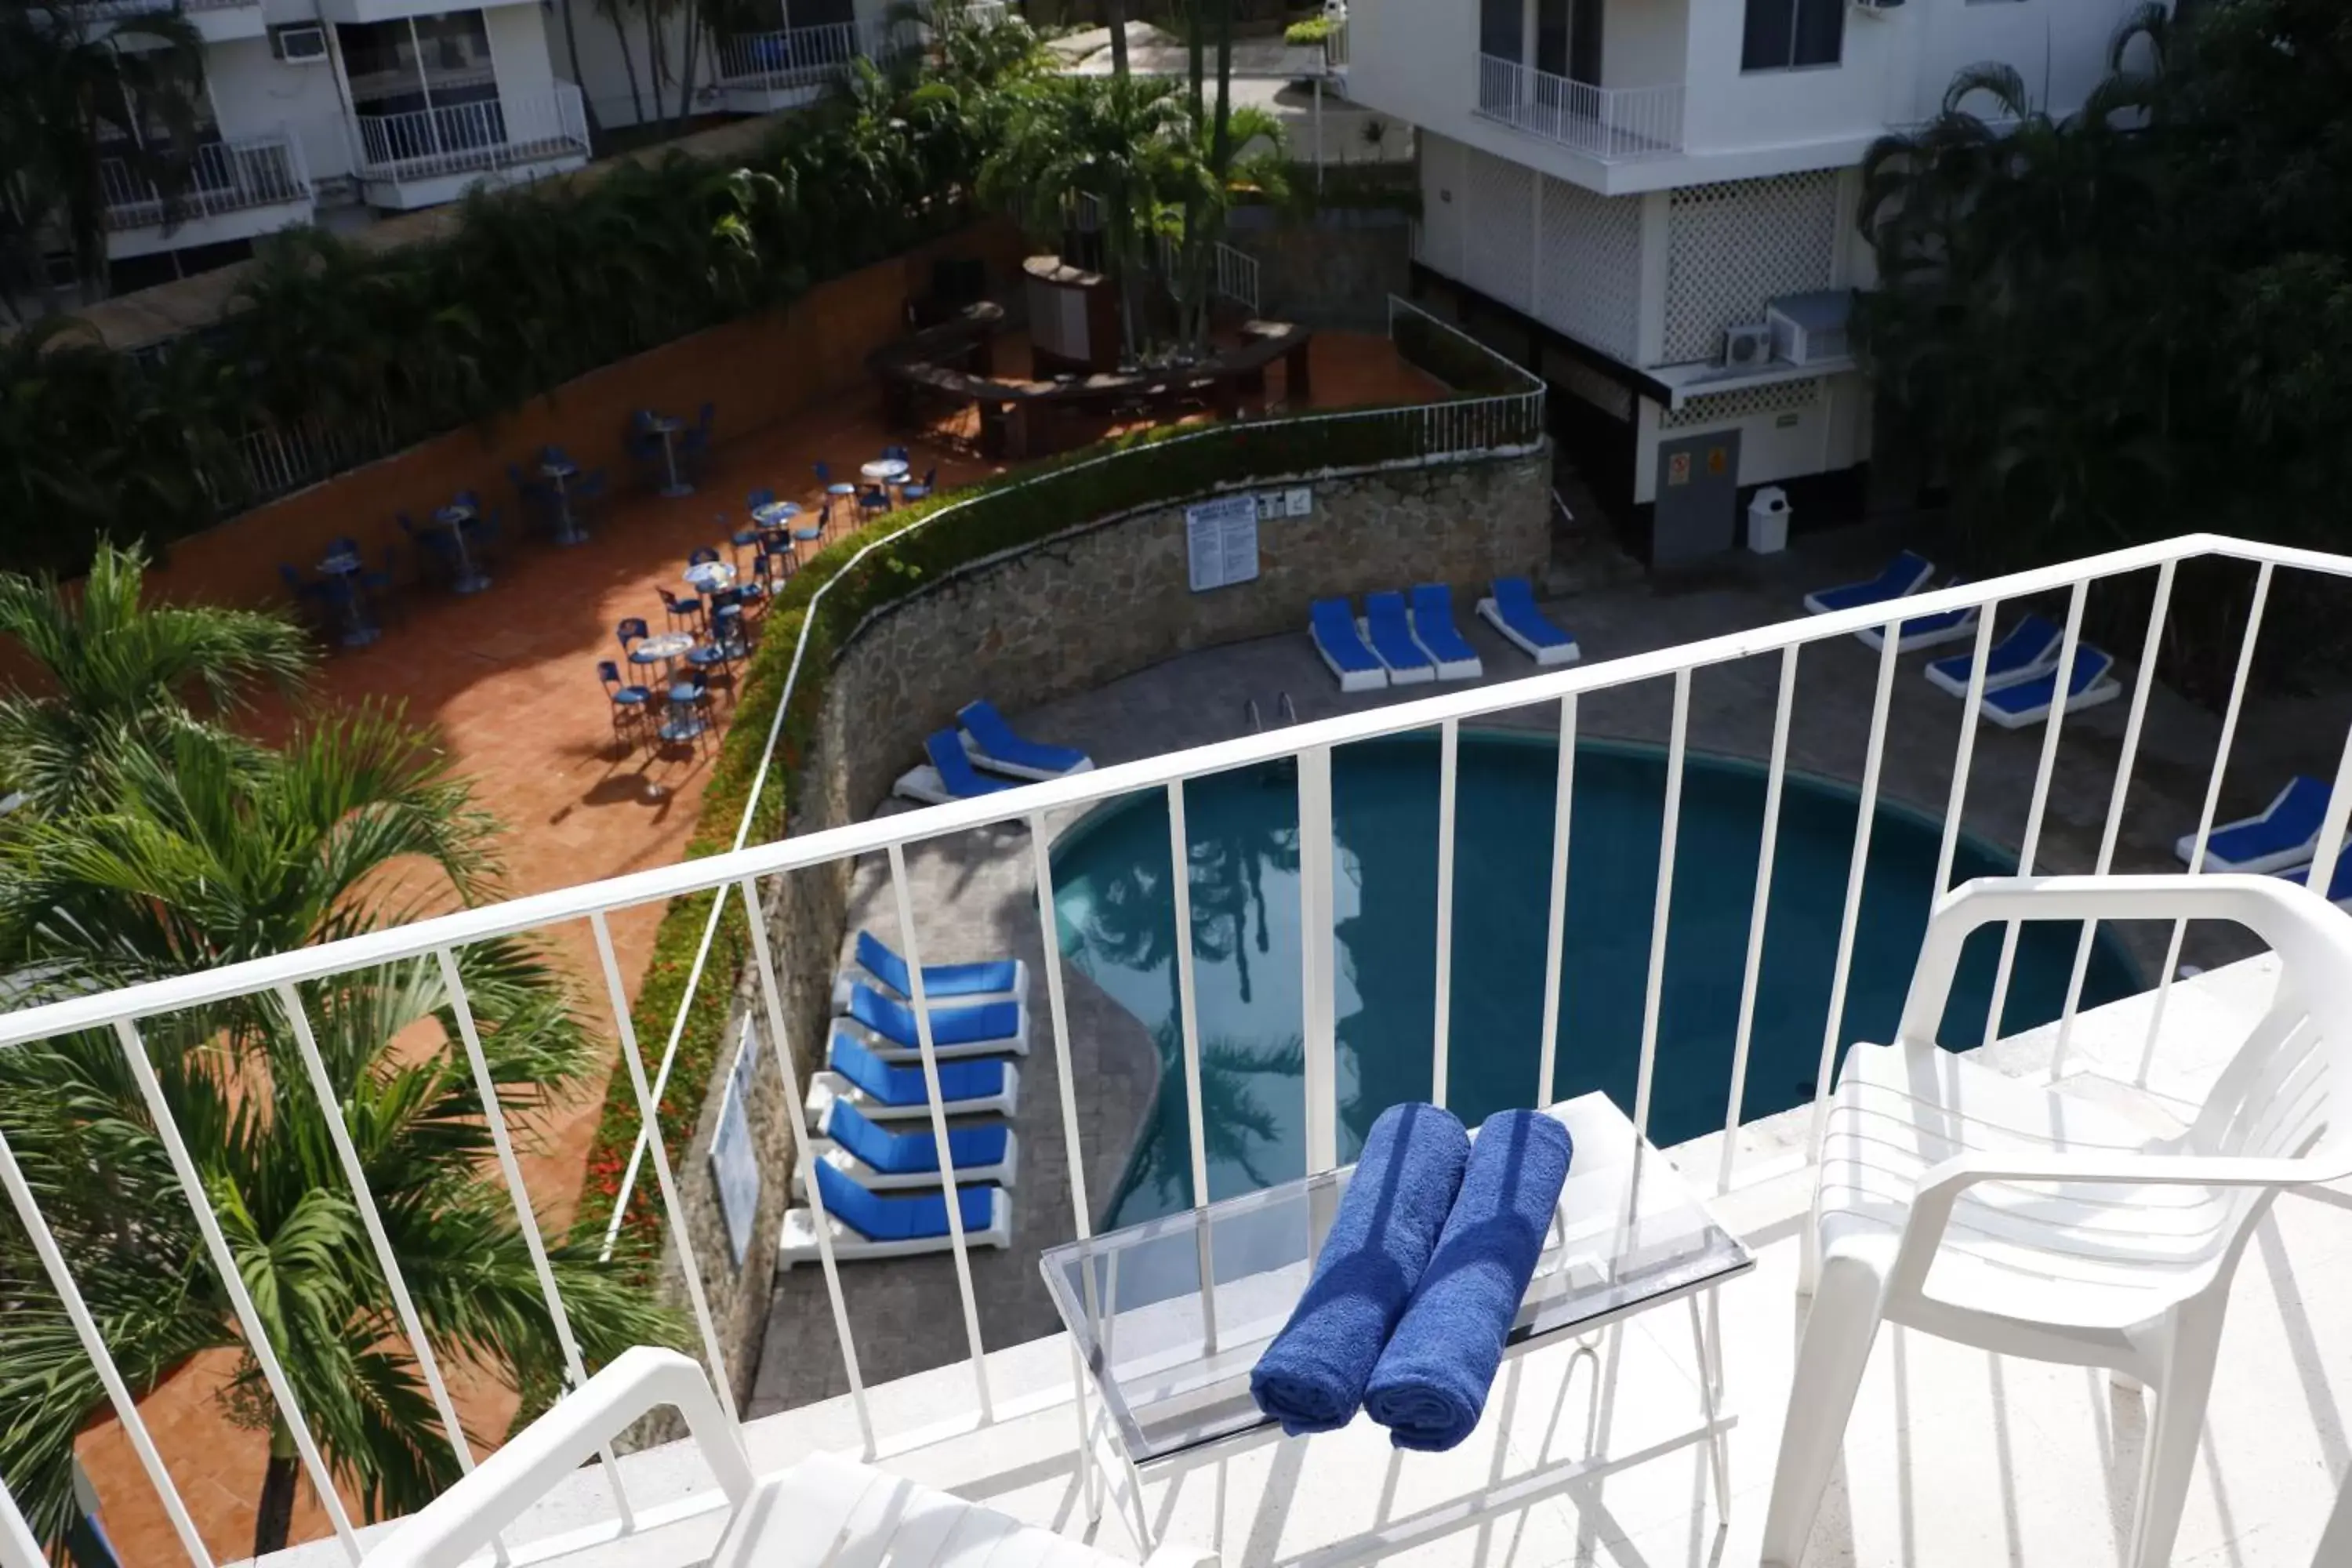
{"x": 824, "y": 1511}
{"x": 1994, "y": 1212}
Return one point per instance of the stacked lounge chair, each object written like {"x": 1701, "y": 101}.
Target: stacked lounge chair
{"x": 2028, "y": 649}
{"x": 2282, "y": 835}
{"x": 947, "y": 776}
{"x": 1439, "y": 637}
{"x": 1333, "y": 626}
{"x": 996, "y": 746}
{"x": 1925, "y": 631}
{"x": 871, "y": 1109}
{"x": 2091, "y": 682}
{"x": 1512, "y": 612}
{"x": 1905, "y": 575}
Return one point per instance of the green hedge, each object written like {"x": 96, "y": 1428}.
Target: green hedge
{"x": 1003, "y": 513}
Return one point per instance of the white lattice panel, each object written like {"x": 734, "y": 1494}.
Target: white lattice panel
{"x": 1500, "y": 226}
{"x": 1442, "y": 201}
{"x": 1590, "y": 267}
{"x": 1733, "y": 246}
{"x": 1723, "y": 407}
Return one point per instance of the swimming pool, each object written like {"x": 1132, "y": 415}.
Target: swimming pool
{"x": 1117, "y": 924}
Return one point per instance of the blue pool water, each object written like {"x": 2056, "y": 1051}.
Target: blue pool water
{"x": 1117, "y": 924}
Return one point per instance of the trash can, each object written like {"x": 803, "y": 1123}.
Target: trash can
{"x": 1767, "y": 521}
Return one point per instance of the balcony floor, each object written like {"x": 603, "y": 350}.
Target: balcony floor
{"x": 1954, "y": 1458}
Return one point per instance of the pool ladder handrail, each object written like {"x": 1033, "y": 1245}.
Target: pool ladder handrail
{"x": 1289, "y": 710}
{"x": 1283, "y": 705}
{"x": 1250, "y": 713}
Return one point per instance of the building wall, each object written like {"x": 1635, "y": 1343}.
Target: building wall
{"x": 519, "y": 50}
{"x": 1644, "y": 44}
{"x": 1787, "y": 430}
{"x": 254, "y": 92}
{"x": 1733, "y": 246}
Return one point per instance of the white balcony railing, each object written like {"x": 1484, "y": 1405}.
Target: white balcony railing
{"x": 1302, "y": 755}
{"x": 1234, "y": 275}
{"x": 501, "y": 132}
{"x": 227, "y": 176}
{"x": 1612, "y": 123}
{"x": 790, "y": 58}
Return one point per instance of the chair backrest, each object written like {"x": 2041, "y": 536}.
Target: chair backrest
{"x": 608, "y": 672}
{"x": 668, "y": 599}
{"x": 292, "y": 578}
{"x": 702, "y": 556}
{"x": 631, "y": 630}
{"x": 823, "y": 473}
{"x": 760, "y": 498}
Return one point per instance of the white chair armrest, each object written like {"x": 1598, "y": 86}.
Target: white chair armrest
{"x": 2313, "y": 939}
{"x": 1176, "y": 1555}
{"x": 464, "y": 1520}
{"x": 1941, "y": 1188}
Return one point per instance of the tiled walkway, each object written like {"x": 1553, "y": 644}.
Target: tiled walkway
{"x": 508, "y": 678}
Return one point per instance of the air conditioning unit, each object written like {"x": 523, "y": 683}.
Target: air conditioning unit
{"x": 1747, "y": 346}
{"x": 1810, "y": 328}
{"x": 298, "y": 43}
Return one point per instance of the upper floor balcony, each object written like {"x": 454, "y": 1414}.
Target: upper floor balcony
{"x": 427, "y": 156}
{"x": 1774, "y": 759}
{"x": 1610, "y": 124}
{"x": 232, "y": 189}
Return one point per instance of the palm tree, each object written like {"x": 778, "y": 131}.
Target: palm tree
{"x": 123, "y": 675}
{"x": 75, "y": 92}
{"x": 210, "y": 854}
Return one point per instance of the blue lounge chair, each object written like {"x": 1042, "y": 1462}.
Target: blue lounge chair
{"x": 1512, "y": 612}
{"x": 2029, "y": 649}
{"x": 1925, "y": 631}
{"x": 1440, "y": 639}
{"x": 882, "y": 1160}
{"x": 878, "y": 965}
{"x": 996, "y": 745}
{"x": 885, "y": 1093}
{"x": 2028, "y": 701}
{"x": 2282, "y": 834}
{"x": 1333, "y": 626}
{"x": 1385, "y": 628}
{"x": 861, "y": 1225}
{"x": 2339, "y": 884}
{"x": 948, "y": 775}
{"x": 1906, "y": 574}
{"x": 887, "y": 1029}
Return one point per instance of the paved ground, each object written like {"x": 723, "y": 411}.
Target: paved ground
{"x": 509, "y": 677}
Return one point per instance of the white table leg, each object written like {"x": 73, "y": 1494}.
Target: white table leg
{"x": 1707, "y": 1339}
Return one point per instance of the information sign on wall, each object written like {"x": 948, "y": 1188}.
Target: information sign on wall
{"x": 734, "y": 1163}
{"x": 1221, "y": 540}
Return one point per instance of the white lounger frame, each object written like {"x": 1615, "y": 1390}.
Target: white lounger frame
{"x": 1568, "y": 652}
{"x": 826, "y": 1086}
{"x": 2185, "y": 848}
{"x": 1375, "y": 679}
{"x": 1875, "y": 637}
{"x": 799, "y": 1243}
{"x": 1469, "y": 668}
{"x": 856, "y": 973}
{"x": 2107, "y": 688}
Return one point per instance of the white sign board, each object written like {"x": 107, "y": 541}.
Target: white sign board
{"x": 1298, "y": 502}
{"x": 734, "y": 1163}
{"x": 1221, "y": 540}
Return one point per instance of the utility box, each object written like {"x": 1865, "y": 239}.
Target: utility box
{"x": 1767, "y": 521}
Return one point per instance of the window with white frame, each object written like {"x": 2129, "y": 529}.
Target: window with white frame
{"x": 1781, "y": 34}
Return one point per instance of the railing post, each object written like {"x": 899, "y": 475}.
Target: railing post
{"x": 1318, "y": 1008}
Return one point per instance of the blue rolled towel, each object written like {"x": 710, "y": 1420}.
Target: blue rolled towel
{"x": 1311, "y": 1378}
{"x": 1431, "y": 1384}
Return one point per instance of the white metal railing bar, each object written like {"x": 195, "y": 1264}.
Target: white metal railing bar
{"x": 1556, "y": 919}
{"x": 1654, "y": 988}
{"x": 17, "y": 1547}
{"x": 232, "y": 1280}
{"x": 1775, "y": 773}
{"x": 330, "y": 1110}
{"x": 625, "y": 1031}
{"x": 494, "y": 1116}
{"x": 71, "y": 1015}
{"x": 1611, "y": 123}
{"x": 2151, "y": 645}
{"x": 2322, "y": 875}
{"x": 1528, "y": 380}
{"x": 926, "y": 1048}
{"x": 1319, "y": 1023}
{"x": 1449, "y": 745}
{"x": 2062, "y": 687}
{"x": 1964, "y": 759}
{"x": 771, "y": 998}
{"x": 93, "y": 1344}
{"x": 791, "y": 683}
{"x": 1187, "y": 1014}
{"x": 788, "y": 58}
{"x": 1081, "y": 1213}
{"x": 2212, "y": 803}
{"x": 1865, "y": 814}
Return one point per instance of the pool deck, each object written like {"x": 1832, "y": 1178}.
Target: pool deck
{"x": 980, "y": 900}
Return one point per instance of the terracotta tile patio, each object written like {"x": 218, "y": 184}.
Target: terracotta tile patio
{"x": 508, "y": 676}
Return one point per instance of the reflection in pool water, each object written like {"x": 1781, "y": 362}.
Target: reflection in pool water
{"x": 1117, "y": 925}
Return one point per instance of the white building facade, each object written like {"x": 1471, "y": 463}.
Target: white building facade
{"x": 1654, "y": 204}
